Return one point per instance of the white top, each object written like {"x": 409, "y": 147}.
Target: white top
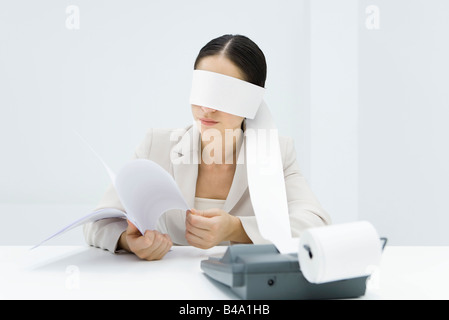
{"x": 205, "y": 203}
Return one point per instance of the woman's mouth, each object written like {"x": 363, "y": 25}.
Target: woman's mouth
{"x": 208, "y": 122}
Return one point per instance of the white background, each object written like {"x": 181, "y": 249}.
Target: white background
{"x": 367, "y": 107}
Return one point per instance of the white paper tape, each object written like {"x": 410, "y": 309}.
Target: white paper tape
{"x": 227, "y": 94}
{"x": 264, "y": 163}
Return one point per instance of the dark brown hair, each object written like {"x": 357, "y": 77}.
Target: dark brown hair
{"x": 243, "y": 52}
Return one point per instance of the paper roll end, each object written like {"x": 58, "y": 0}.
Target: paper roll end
{"x": 339, "y": 252}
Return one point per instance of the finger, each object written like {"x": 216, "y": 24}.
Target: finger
{"x": 132, "y": 229}
{"x": 148, "y": 244}
{"x": 194, "y": 240}
{"x": 169, "y": 241}
{"x": 164, "y": 248}
{"x": 160, "y": 247}
{"x": 207, "y": 213}
{"x": 153, "y": 239}
{"x": 200, "y": 233}
{"x": 141, "y": 243}
{"x": 198, "y": 221}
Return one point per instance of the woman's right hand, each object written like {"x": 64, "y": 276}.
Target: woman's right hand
{"x": 153, "y": 245}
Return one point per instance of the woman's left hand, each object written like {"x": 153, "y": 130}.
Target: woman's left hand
{"x": 207, "y": 228}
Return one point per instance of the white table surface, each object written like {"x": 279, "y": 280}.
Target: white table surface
{"x": 82, "y": 272}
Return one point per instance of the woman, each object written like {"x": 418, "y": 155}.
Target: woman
{"x": 217, "y": 187}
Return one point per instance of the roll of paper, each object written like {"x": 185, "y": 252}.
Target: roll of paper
{"x": 338, "y": 252}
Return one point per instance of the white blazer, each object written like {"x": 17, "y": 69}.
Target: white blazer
{"x": 304, "y": 209}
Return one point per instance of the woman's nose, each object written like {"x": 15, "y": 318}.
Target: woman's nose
{"x": 207, "y": 110}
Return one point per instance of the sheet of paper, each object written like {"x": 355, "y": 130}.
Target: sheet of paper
{"x": 93, "y": 216}
{"x": 145, "y": 190}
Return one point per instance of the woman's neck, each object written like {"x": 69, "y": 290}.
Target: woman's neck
{"x": 219, "y": 148}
